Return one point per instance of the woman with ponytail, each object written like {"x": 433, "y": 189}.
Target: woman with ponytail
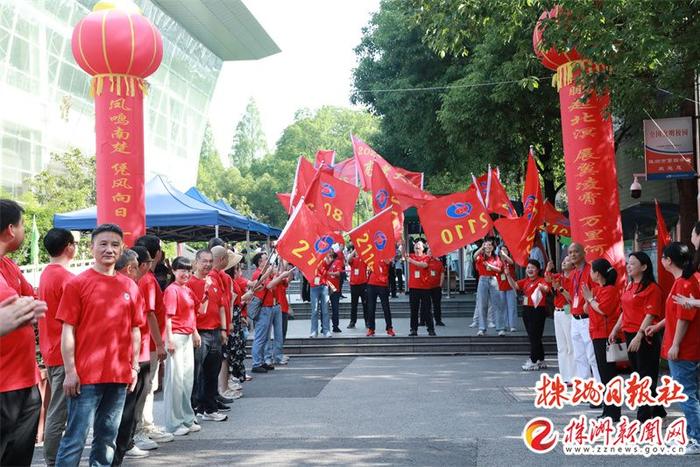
{"x": 603, "y": 309}
{"x": 681, "y": 342}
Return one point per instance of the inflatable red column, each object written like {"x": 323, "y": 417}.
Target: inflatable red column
{"x": 119, "y": 47}
{"x": 589, "y": 155}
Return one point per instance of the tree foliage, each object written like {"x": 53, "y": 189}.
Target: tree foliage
{"x": 249, "y": 141}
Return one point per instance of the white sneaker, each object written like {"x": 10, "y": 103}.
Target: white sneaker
{"x": 492, "y": 325}
{"x": 529, "y": 366}
{"x": 692, "y": 448}
{"x": 214, "y": 417}
{"x": 541, "y": 364}
{"x": 181, "y": 431}
{"x": 501, "y": 333}
{"x": 480, "y": 333}
{"x": 142, "y": 441}
{"x": 283, "y": 361}
{"x": 313, "y": 334}
{"x": 234, "y": 384}
{"x": 233, "y": 394}
{"x": 513, "y": 330}
{"x": 159, "y": 436}
{"x": 474, "y": 324}
{"x": 136, "y": 453}
{"x": 328, "y": 334}
{"x": 194, "y": 428}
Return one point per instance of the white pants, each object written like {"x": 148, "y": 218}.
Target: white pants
{"x": 177, "y": 384}
{"x": 584, "y": 356}
{"x": 146, "y": 422}
{"x": 565, "y": 347}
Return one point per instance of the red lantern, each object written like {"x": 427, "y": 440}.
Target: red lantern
{"x": 119, "y": 47}
{"x": 589, "y": 154}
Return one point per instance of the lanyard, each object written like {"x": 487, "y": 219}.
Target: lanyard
{"x": 577, "y": 280}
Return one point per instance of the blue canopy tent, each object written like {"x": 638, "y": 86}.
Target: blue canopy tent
{"x": 255, "y": 226}
{"x": 171, "y": 215}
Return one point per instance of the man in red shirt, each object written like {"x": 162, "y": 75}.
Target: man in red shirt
{"x": 100, "y": 345}
{"x": 211, "y": 327}
{"x": 335, "y": 270}
{"x": 434, "y": 279}
{"x": 419, "y": 291}
{"x": 378, "y": 286}
{"x": 20, "y": 401}
{"x": 60, "y": 245}
{"x": 358, "y": 286}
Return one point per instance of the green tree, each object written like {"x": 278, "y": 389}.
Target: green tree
{"x": 249, "y": 143}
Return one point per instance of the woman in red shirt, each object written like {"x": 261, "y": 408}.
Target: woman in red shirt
{"x": 235, "y": 345}
{"x": 419, "y": 289}
{"x": 533, "y": 288}
{"x": 509, "y": 299}
{"x": 642, "y": 306}
{"x": 681, "y": 342}
{"x": 435, "y": 279}
{"x": 603, "y": 306}
{"x": 489, "y": 266}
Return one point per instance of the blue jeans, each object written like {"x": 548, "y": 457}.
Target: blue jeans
{"x": 274, "y": 350}
{"x": 509, "y": 299}
{"x": 98, "y": 403}
{"x": 262, "y": 335}
{"x": 319, "y": 293}
{"x": 487, "y": 293}
{"x": 686, "y": 373}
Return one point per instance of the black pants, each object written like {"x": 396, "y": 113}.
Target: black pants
{"x": 335, "y": 309}
{"x": 392, "y": 280}
{"x": 374, "y": 291}
{"x": 533, "y": 319}
{"x": 399, "y": 279}
{"x": 420, "y": 301}
{"x": 127, "y": 427}
{"x": 607, "y": 372}
{"x": 436, "y": 299}
{"x": 342, "y": 278}
{"x": 285, "y": 320}
{"x": 645, "y": 361}
{"x": 207, "y": 363}
{"x": 19, "y": 419}
{"x": 358, "y": 292}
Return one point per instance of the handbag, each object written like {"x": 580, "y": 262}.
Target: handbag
{"x": 616, "y": 352}
{"x": 254, "y": 308}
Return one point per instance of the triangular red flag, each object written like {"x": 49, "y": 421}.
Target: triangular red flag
{"x": 324, "y": 157}
{"x": 373, "y": 240}
{"x": 346, "y": 171}
{"x": 333, "y": 200}
{"x": 556, "y": 222}
{"x": 285, "y": 200}
{"x": 493, "y": 191}
{"x": 304, "y": 174}
{"x": 663, "y": 239}
{"x": 383, "y": 197}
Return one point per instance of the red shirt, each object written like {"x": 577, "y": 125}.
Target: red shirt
{"x": 321, "y": 277}
{"x": 242, "y": 283}
{"x": 527, "y": 288}
{"x": 227, "y": 287}
{"x": 578, "y": 277}
{"x": 380, "y": 275}
{"x": 435, "y": 270}
{"x": 144, "y": 330}
{"x": 51, "y": 283}
{"x": 266, "y": 295}
{"x": 181, "y": 306}
{"x": 690, "y": 345}
{"x": 153, "y": 300}
{"x": 608, "y": 298}
{"x": 210, "y": 319}
{"x": 636, "y": 305}
{"x": 564, "y": 283}
{"x": 14, "y": 278}
{"x": 503, "y": 284}
{"x": 494, "y": 261}
{"x": 358, "y": 271}
{"x": 335, "y": 267}
{"x": 419, "y": 276}
{"x": 17, "y": 354}
{"x": 103, "y": 310}
{"x": 281, "y": 295}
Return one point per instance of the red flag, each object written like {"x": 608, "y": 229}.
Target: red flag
{"x": 324, "y": 157}
{"x": 303, "y": 177}
{"x": 333, "y": 200}
{"x": 383, "y": 197}
{"x": 493, "y": 191}
{"x": 662, "y": 241}
{"x": 556, "y": 222}
{"x": 304, "y": 241}
{"x": 285, "y": 200}
{"x": 532, "y": 192}
{"x": 453, "y": 221}
{"x": 373, "y": 240}
{"x": 416, "y": 178}
{"x": 346, "y": 171}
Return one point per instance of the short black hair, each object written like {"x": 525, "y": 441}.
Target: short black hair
{"x": 216, "y": 241}
{"x": 182, "y": 263}
{"x": 151, "y": 242}
{"x": 102, "y": 228}
{"x": 143, "y": 254}
{"x": 10, "y": 213}
{"x": 56, "y": 241}
{"x": 257, "y": 258}
{"x": 201, "y": 252}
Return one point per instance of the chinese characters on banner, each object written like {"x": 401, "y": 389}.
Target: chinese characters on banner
{"x": 119, "y": 163}
{"x": 591, "y": 179}
{"x": 668, "y": 148}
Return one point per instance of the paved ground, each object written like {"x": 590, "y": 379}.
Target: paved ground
{"x": 382, "y": 411}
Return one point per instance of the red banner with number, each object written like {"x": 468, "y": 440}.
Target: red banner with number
{"x": 494, "y": 195}
{"x": 346, "y": 171}
{"x": 556, "y": 222}
{"x": 302, "y": 178}
{"x": 453, "y": 221}
{"x": 304, "y": 241}
{"x": 324, "y": 157}
{"x": 332, "y": 200}
{"x": 383, "y": 197}
{"x": 373, "y": 240}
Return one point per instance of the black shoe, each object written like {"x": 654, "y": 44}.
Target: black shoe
{"x": 593, "y": 406}
{"x": 413, "y": 333}
{"x": 439, "y": 323}
{"x": 220, "y": 407}
{"x": 394, "y": 296}
{"x": 343, "y": 296}
{"x": 259, "y": 369}
{"x": 431, "y": 333}
{"x": 198, "y": 410}
{"x": 224, "y": 400}
{"x": 336, "y": 329}
{"x": 268, "y": 367}
{"x": 351, "y": 326}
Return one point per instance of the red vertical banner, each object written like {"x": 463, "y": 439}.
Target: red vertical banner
{"x": 119, "y": 161}
{"x": 663, "y": 239}
{"x": 591, "y": 176}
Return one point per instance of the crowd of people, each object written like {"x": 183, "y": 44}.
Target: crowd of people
{"x": 104, "y": 333}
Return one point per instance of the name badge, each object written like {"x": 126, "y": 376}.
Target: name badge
{"x": 432, "y": 273}
{"x": 525, "y": 302}
{"x": 357, "y": 272}
{"x": 416, "y": 274}
{"x": 503, "y": 277}
{"x": 575, "y": 302}
{"x": 317, "y": 280}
